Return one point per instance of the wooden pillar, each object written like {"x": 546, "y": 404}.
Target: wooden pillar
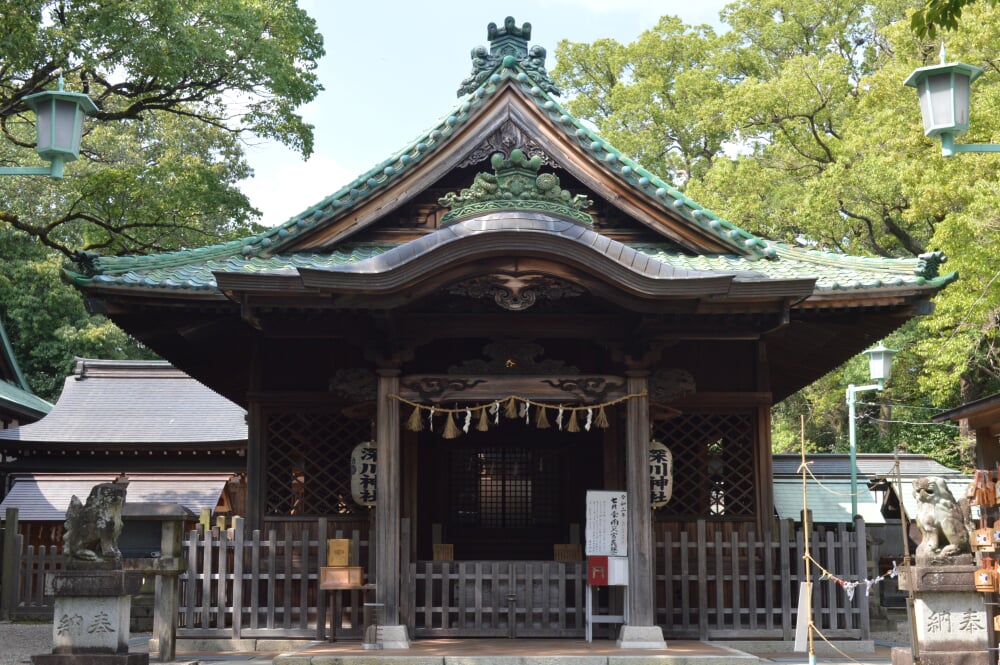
{"x": 11, "y": 559}
{"x": 167, "y": 591}
{"x": 387, "y": 508}
{"x": 640, "y": 513}
{"x": 763, "y": 452}
{"x": 255, "y": 487}
{"x": 641, "y": 630}
{"x": 256, "y": 499}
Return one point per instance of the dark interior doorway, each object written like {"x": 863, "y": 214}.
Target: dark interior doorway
{"x": 507, "y": 494}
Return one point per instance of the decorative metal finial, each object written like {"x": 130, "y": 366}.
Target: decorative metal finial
{"x": 508, "y": 49}
{"x": 942, "y": 52}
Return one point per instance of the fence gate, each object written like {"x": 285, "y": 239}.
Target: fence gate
{"x": 496, "y": 598}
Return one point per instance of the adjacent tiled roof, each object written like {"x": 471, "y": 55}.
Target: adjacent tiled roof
{"x": 829, "y": 492}
{"x": 518, "y": 67}
{"x": 829, "y": 503}
{"x": 134, "y": 402}
{"x": 870, "y": 465}
{"x": 45, "y": 497}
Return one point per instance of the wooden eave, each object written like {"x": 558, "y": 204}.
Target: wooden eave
{"x": 983, "y": 413}
{"x": 29, "y": 447}
{"x": 519, "y": 243}
{"x": 511, "y": 104}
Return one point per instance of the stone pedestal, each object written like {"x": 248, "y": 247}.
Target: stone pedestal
{"x": 641, "y": 637}
{"x": 91, "y": 621}
{"x": 949, "y": 616}
{"x": 394, "y": 637}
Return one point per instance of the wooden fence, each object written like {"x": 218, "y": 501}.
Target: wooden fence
{"x": 747, "y": 588}
{"x": 255, "y": 585}
{"x": 496, "y": 598}
{"x": 246, "y": 585}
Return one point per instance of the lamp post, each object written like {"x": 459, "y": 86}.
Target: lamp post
{"x": 879, "y": 368}
{"x": 944, "y": 103}
{"x": 59, "y": 122}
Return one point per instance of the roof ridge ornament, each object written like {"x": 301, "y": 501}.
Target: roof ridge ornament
{"x": 516, "y": 184}
{"x": 508, "y": 49}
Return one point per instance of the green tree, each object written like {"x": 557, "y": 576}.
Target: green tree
{"x": 936, "y": 14}
{"x": 178, "y": 85}
{"x": 821, "y": 145}
{"x": 641, "y": 95}
{"x": 181, "y": 87}
{"x": 46, "y": 319}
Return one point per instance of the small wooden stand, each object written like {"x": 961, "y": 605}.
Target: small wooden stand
{"x": 336, "y": 579}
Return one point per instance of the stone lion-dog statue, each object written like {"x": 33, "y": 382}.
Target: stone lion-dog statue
{"x": 944, "y": 523}
{"x": 92, "y": 529}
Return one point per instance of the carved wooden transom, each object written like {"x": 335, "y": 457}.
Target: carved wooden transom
{"x": 507, "y": 138}
{"x": 513, "y": 357}
{"x": 516, "y": 293}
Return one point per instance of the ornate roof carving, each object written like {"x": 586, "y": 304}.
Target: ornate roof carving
{"x": 508, "y": 47}
{"x": 516, "y": 293}
{"x": 516, "y": 184}
{"x": 504, "y": 140}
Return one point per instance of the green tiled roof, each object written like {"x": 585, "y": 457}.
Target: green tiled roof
{"x": 833, "y": 272}
{"x": 510, "y": 63}
{"x": 191, "y": 271}
{"x": 16, "y": 392}
{"x": 19, "y": 397}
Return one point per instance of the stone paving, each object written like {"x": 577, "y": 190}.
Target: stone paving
{"x": 19, "y": 641}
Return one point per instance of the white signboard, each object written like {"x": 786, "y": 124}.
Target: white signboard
{"x": 607, "y": 517}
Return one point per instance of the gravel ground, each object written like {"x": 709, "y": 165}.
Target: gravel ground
{"x": 20, "y": 641}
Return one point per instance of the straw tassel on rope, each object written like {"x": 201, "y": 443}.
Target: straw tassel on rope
{"x": 602, "y": 419}
{"x": 510, "y": 408}
{"x": 450, "y": 429}
{"x": 541, "y": 419}
{"x": 415, "y": 423}
{"x": 513, "y": 406}
{"x": 484, "y": 420}
{"x": 572, "y": 425}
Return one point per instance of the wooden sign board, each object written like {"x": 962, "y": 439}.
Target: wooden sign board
{"x": 607, "y": 520}
{"x": 338, "y": 552}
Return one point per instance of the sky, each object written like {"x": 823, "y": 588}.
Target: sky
{"x": 392, "y": 69}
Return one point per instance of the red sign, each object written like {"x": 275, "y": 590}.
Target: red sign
{"x": 597, "y": 570}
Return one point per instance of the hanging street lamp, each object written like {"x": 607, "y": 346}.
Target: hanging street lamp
{"x": 59, "y": 121}
{"x": 879, "y": 369}
{"x": 943, "y": 91}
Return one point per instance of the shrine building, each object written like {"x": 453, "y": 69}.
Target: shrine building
{"x": 512, "y": 310}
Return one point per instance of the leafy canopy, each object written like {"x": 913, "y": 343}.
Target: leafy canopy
{"x": 181, "y": 88}
{"x": 794, "y": 124}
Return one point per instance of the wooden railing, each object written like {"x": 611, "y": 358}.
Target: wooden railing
{"x": 496, "y": 598}
{"x": 242, "y": 585}
{"x": 718, "y": 586}
{"x": 31, "y": 564}
{"x": 747, "y": 587}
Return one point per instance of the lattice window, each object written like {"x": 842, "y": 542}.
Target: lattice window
{"x": 714, "y": 474}
{"x": 499, "y": 488}
{"x": 308, "y": 463}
